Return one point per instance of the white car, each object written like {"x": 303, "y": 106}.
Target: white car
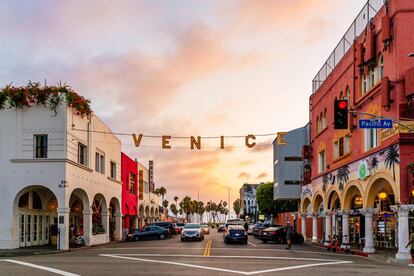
{"x": 192, "y": 231}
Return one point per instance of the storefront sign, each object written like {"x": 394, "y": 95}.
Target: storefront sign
{"x": 363, "y": 171}
{"x": 151, "y": 175}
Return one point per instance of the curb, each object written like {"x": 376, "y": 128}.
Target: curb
{"x": 352, "y": 252}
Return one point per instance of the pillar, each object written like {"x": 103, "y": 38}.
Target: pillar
{"x": 63, "y": 228}
{"x": 328, "y": 216}
{"x": 303, "y": 225}
{"x": 118, "y": 226}
{"x": 345, "y": 226}
{"x": 369, "y": 233}
{"x": 87, "y": 225}
{"x": 314, "y": 228}
{"x": 403, "y": 255}
{"x": 334, "y": 226}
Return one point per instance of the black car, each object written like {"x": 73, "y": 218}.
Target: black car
{"x": 235, "y": 233}
{"x": 278, "y": 234}
{"x": 150, "y": 232}
{"x": 165, "y": 225}
{"x": 221, "y": 228}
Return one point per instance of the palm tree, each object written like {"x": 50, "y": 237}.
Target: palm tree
{"x": 392, "y": 157}
{"x": 173, "y": 209}
{"x": 165, "y": 205}
{"x": 162, "y": 191}
{"x": 342, "y": 176}
{"x": 374, "y": 164}
{"x": 186, "y": 206}
{"x": 236, "y": 207}
{"x": 176, "y": 200}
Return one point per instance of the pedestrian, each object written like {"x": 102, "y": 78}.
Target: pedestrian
{"x": 246, "y": 226}
{"x": 411, "y": 241}
{"x": 288, "y": 235}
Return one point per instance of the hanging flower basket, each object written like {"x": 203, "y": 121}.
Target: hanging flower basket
{"x": 48, "y": 96}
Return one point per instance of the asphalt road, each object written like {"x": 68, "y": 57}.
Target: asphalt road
{"x": 210, "y": 257}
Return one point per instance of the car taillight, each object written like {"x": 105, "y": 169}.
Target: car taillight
{"x": 272, "y": 232}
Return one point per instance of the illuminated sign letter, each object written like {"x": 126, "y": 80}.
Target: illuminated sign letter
{"x": 166, "y": 142}
{"x": 137, "y": 140}
{"x": 281, "y": 138}
{"x": 222, "y": 142}
{"x": 248, "y": 137}
{"x": 195, "y": 142}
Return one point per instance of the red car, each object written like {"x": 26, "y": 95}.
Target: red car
{"x": 177, "y": 229}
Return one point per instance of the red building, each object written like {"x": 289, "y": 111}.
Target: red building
{"x": 129, "y": 173}
{"x": 362, "y": 180}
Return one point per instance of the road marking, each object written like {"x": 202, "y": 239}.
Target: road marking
{"x": 207, "y": 249}
{"x": 253, "y": 244}
{"x": 53, "y": 270}
{"x": 335, "y": 262}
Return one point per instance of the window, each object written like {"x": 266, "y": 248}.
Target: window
{"x": 380, "y": 67}
{"x": 132, "y": 183}
{"x": 100, "y": 162}
{"x": 342, "y": 146}
{"x": 370, "y": 138}
{"x": 113, "y": 170}
{"x": 82, "y": 154}
{"x": 347, "y": 94}
{"x": 364, "y": 85}
{"x": 40, "y": 142}
{"x": 321, "y": 161}
{"x": 318, "y": 128}
{"x": 324, "y": 122}
{"x": 372, "y": 80}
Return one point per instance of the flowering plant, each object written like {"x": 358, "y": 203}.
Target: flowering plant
{"x": 48, "y": 96}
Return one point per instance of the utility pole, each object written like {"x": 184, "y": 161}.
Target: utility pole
{"x": 229, "y": 203}
{"x": 198, "y": 204}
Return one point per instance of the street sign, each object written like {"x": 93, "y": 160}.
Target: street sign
{"x": 370, "y": 123}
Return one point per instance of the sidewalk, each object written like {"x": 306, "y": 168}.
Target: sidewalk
{"x": 26, "y": 251}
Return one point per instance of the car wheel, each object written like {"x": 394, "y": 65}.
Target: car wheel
{"x": 136, "y": 238}
{"x": 162, "y": 236}
{"x": 182, "y": 239}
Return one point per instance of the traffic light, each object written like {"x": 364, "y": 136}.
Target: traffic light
{"x": 341, "y": 114}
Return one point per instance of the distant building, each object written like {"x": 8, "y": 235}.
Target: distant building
{"x": 288, "y": 163}
{"x": 148, "y": 210}
{"x": 248, "y": 201}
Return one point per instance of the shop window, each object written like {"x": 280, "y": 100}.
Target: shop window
{"x": 370, "y": 138}
{"x": 132, "y": 183}
{"x": 100, "y": 162}
{"x": 321, "y": 161}
{"x": 82, "y": 154}
{"x": 40, "y": 142}
{"x": 113, "y": 170}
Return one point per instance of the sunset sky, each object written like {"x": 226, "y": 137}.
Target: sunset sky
{"x": 188, "y": 67}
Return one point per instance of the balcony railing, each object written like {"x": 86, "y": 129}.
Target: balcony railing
{"x": 370, "y": 9}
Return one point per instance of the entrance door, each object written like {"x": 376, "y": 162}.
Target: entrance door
{"x": 32, "y": 229}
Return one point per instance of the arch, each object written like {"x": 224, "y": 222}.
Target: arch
{"x": 99, "y": 214}
{"x": 306, "y": 203}
{"x": 141, "y": 210}
{"x": 157, "y": 212}
{"x": 317, "y": 201}
{"x": 116, "y": 206}
{"x": 352, "y": 189}
{"x": 152, "y": 212}
{"x": 78, "y": 203}
{"x": 333, "y": 201}
{"x": 147, "y": 212}
{"x": 380, "y": 181}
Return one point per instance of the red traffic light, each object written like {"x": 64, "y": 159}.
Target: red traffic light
{"x": 343, "y": 104}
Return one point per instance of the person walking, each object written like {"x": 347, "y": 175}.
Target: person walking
{"x": 288, "y": 235}
{"x": 246, "y": 226}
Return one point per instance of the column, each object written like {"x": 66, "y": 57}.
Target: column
{"x": 345, "y": 226}
{"x": 105, "y": 223}
{"x": 403, "y": 255}
{"x": 87, "y": 225}
{"x": 327, "y": 215}
{"x": 303, "y": 225}
{"x": 314, "y": 228}
{"x": 369, "y": 233}
{"x": 334, "y": 226}
{"x": 63, "y": 228}
{"x": 118, "y": 225}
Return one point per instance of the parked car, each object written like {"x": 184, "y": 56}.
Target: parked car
{"x": 264, "y": 226}
{"x": 150, "y": 232}
{"x": 278, "y": 234}
{"x": 177, "y": 230}
{"x": 221, "y": 228}
{"x": 255, "y": 230}
{"x": 205, "y": 228}
{"x": 250, "y": 230}
{"x": 165, "y": 225}
{"x": 180, "y": 225}
{"x": 235, "y": 233}
{"x": 192, "y": 231}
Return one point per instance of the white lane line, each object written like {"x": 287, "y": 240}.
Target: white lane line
{"x": 226, "y": 257}
{"x": 53, "y": 270}
{"x": 296, "y": 267}
{"x": 175, "y": 263}
{"x": 229, "y": 270}
{"x": 253, "y": 244}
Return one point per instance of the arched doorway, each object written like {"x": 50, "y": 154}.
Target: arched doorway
{"x": 353, "y": 202}
{"x": 99, "y": 215}
{"x": 115, "y": 220}
{"x": 35, "y": 208}
{"x": 334, "y": 205}
{"x": 318, "y": 208}
{"x": 381, "y": 195}
{"x": 79, "y": 215}
{"x": 152, "y": 214}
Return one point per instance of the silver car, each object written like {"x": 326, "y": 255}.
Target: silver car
{"x": 192, "y": 231}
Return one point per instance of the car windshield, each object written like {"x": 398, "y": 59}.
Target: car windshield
{"x": 192, "y": 226}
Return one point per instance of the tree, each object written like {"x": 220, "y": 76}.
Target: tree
{"x": 176, "y": 200}
{"x": 268, "y": 206}
{"x": 186, "y": 206}
{"x": 237, "y": 207}
{"x": 162, "y": 191}
{"x": 392, "y": 158}
{"x": 173, "y": 209}
{"x": 165, "y": 205}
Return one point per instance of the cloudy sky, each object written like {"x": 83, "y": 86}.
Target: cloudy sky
{"x": 188, "y": 67}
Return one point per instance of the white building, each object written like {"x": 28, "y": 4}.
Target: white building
{"x": 54, "y": 177}
{"x": 248, "y": 206}
{"x": 148, "y": 201}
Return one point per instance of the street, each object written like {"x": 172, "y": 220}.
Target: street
{"x": 209, "y": 257}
